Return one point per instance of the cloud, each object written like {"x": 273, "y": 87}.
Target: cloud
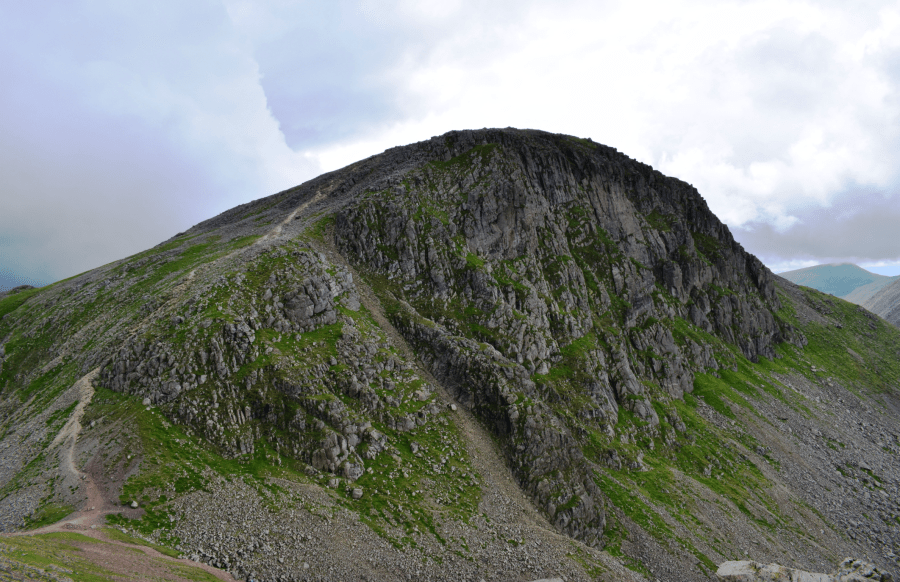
{"x": 340, "y": 71}
{"x": 121, "y": 125}
{"x": 861, "y": 228}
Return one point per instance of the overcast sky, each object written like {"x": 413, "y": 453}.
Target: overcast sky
{"x": 122, "y": 124}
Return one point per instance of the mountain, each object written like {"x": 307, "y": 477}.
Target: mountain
{"x": 877, "y": 293}
{"x": 844, "y": 280}
{"x": 886, "y": 302}
{"x": 496, "y": 354}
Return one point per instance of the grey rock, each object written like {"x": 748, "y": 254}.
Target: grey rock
{"x": 853, "y": 570}
{"x": 850, "y": 570}
{"x": 352, "y": 471}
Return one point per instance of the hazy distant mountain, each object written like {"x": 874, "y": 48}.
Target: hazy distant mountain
{"x": 844, "y": 280}
{"x": 886, "y": 302}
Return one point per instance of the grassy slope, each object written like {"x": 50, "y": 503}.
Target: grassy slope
{"x": 78, "y": 557}
{"x": 844, "y": 280}
{"x": 169, "y": 460}
{"x": 726, "y": 471}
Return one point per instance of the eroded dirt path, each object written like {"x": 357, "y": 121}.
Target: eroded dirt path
{"x": 96, "y": 555}
{"x": 70, "y": 431}
{"x": 114, "y": 555}
{"x": 276, "y": 232}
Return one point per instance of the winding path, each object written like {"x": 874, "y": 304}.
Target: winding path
{"x": 90, "y": 521}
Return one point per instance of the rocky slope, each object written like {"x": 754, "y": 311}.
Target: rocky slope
{"x": 886, "y": 302}
{"x": 849, "y": 570}
{"x": 502, "y": 354}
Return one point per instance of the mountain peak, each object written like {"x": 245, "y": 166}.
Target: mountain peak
{"x": 845, "y": 280}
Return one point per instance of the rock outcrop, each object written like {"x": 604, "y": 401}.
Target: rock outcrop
{"x": 538, "y": 277}
{"x": 530, "y": 268}
{"x": 850, "y": 570}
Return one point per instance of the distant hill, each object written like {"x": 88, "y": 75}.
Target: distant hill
{"x": 844, "y": 280}
{"x": 886, "y": 302}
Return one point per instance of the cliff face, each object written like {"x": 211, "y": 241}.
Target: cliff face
{"x": 388, "y": 344}
{"x": 578, "y": 218}
{"x": 566, "y": 259}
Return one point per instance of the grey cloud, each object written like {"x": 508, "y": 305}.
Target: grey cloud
{"x": 81, "y": 190}
{"x": 759, "y": 96}
{"x": 324, "y": 73}
{"x": 337, "y": 69}
{"x": 860, "y": 227}
{"x": 90, "y": 176}
{"x": 799, "y": 70}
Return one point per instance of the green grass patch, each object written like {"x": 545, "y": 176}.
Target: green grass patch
{"x": 465, "y": 159}
{"x": 474, "y": 261}
{"x": 707, "y": 245}
{"x": 48, "y": 514}
{"x": 637, "y": 511}
{"x": 61, "y": 415}
{"x": 660, "y": 221}
{"x": 190, "y": 257}
{"x": 414, "y": 491}
{"x": 713, "y": 390}
{"x": 579, "y": 347}
{"x": 56, "y": 551}
{"x": 321, "y": 228}
{"x": 243, "y": 241}
{"x": 12, "y": 302}
{"x": 117, "y": 535}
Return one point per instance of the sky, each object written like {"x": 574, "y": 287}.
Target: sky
{"x": 124, "y": 123}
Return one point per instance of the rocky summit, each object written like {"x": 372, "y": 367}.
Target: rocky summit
{"x": 493, "y": 355}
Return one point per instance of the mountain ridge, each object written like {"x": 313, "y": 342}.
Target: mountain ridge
{"x": 845, "y": 280}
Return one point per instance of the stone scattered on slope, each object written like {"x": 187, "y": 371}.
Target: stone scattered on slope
{"x": 850, "y": 570}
